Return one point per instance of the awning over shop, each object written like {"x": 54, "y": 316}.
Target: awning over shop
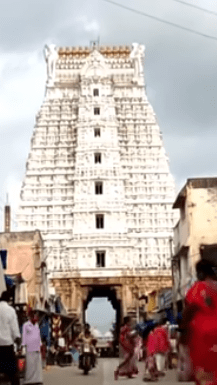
{"x": 8, "y": 280}
{"x": 66, "y": 321}
{"x": 20, "y": 295}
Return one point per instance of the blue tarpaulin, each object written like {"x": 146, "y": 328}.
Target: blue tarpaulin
{"x": 9, "y": 281}
{"x": 143, "y": 327}
{"x": 58, "y": 306}
{"x": 45, "y": 330}
{"x": 170, "y": 316}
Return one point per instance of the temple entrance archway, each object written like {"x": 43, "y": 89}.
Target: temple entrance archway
{"x": 108, "y": 292}
{"x": 124, "y": 292}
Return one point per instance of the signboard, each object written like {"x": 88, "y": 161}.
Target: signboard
{"x": 165, "y": 300}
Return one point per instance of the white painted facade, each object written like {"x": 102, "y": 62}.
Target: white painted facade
{"x": 58, "y": 195}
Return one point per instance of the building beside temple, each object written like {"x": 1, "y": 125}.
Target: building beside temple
{"x": 195, "y": 233}
{"x": 97, "y": 182}
{"x": 24, "y": 267}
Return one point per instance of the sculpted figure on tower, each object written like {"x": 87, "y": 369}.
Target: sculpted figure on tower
{"x": 138, "y": 54}
{"x": 51, "y": 56}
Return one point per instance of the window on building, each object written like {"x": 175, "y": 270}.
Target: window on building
{"x": 97, "y": 132}
{"x": 95, "y": 92}
{"x": 98, "y": 188}
{"x": 97, "y": 157}
{"x": 100, "y": 259}
{"x": 100, "y": 221}
{"x": 96, "y": 111}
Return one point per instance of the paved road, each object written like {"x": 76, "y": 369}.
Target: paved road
{"x": 102, "y": 375}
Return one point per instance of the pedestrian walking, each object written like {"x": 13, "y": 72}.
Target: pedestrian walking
{"x": 31, "y": 340}
{"x": 9, "y": 334}
{"x": 127, "y": 351}
{"x": 173, "y": 353}
{"x": 199, "y": 325}
{"x": 162, "y": 346}
{"x": 168, "y": 354}
{"x": 151, "y": 372}
{"x": 138, "y": 348}
{"x": 51, "y": 354}
{"x": 145, "y": 335}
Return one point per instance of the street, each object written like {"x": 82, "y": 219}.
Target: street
{"x": 102, "y": 375}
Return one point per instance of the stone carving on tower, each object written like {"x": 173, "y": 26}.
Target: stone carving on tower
{"x": 97, "y": 182}
{"x": 138, "y": 55}
{"x": 51, "y": 56}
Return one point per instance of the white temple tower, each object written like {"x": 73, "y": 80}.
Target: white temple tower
{"x": 97, "y": 180}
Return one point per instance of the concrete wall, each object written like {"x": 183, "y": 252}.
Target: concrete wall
{"x": 203, "y": 217}
{"x": 197, "y": 226}
{"x": 182, "y": 229}
{"x": 24, "y": 256}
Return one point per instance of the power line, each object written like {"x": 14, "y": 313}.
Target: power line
{"x": 161, "y": 20}
{"x": 197, "y": 7}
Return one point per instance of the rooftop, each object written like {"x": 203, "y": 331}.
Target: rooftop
{"x": 20, "y": 235}
{"x": 206, "y": 182}
{"x": 114, "y": 51}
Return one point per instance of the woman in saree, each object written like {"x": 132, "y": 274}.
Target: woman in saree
{"x": 162, "y": 346}
{"x": 151, "y": 372}
{"x": 127, "y": 351}
{"x": 199, "y": 325}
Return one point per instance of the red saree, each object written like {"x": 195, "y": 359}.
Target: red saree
{"x": 127, "y": 348}
{"x": 162, "y": 344}
{"x": 151, "y": 344}
{"x": 150, "y": 362}
{"x": 203, "y": 332}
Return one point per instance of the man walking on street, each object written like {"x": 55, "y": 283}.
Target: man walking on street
{"x": 32, "y": 342}
{"x": 9, "y": 334}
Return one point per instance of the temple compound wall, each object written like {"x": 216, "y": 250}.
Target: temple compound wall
{"x": 97, "y": 182}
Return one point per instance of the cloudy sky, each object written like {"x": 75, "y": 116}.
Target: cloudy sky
{"x": 100, "y": 314}
{"x": 180, "y": 73}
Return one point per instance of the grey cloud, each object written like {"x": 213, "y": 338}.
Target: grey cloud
{"x": 27, "y": 23}
{"x": 192, "y": 156}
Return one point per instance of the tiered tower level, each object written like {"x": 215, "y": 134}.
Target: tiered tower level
{"x": 97, "y": 180}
